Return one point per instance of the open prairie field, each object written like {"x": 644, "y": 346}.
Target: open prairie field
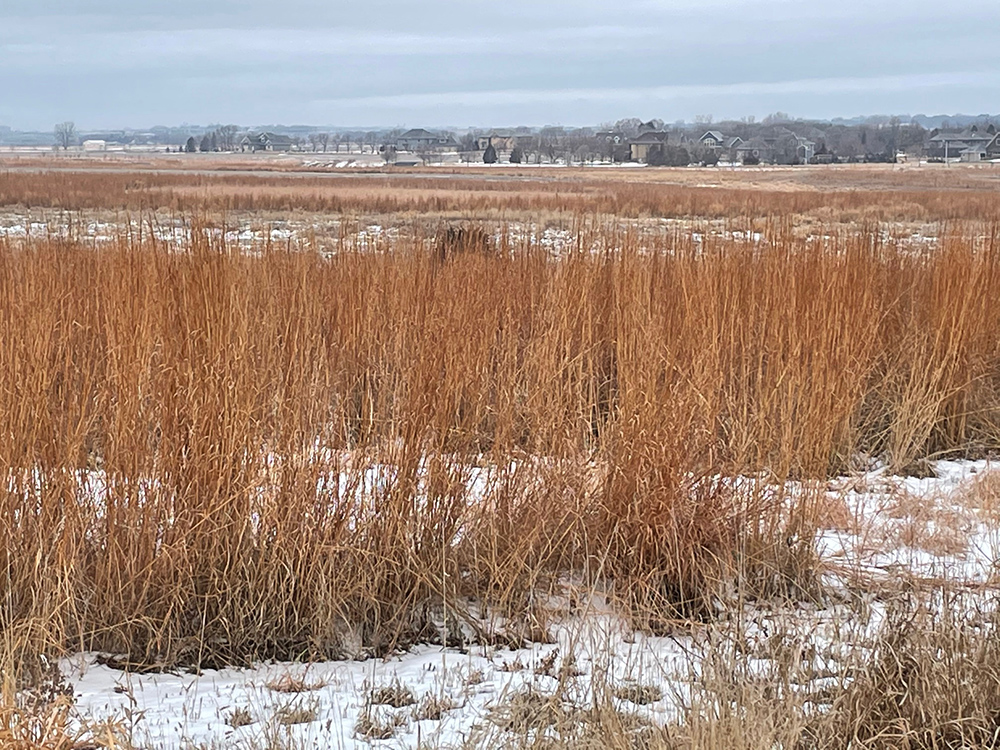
{"x": 500, "y": 458}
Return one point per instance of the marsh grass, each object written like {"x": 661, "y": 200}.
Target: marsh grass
{"x": 822, "y": 197}
{"x": 215, "y": 456}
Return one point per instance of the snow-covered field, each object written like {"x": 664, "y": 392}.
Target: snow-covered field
{"x": 884, "y": 533}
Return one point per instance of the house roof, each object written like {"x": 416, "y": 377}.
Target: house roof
{"x": 754, "y": 144}
{"x": 713, "y": 134}
{"x": 272, "y": 138}
{"x": 734, "y": 141}
{"x": 965, "y": 135}
{"x": 651, "y": 137}
{"x": 417, "y": 133}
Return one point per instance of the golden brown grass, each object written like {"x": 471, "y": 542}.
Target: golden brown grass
{"x": 827, "y": 196}
{"x": 213, "y": 455}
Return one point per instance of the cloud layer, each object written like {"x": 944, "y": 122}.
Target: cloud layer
{"x": 105, "y": 63}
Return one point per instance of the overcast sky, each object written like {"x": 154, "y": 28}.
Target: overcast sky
{"x": 112, "y": 63}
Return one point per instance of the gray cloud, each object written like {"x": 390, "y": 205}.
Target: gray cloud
{"x": 105, "y": 63}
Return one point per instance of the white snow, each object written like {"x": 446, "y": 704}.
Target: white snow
{"x": 922, "y": 528}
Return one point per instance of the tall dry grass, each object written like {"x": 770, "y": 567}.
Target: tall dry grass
{"x": 213, "y": 455}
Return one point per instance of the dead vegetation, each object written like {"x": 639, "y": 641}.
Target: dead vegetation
{"x": 213, "y": 456}
{"x": 190, "y": 436}
{"x": 824, "y": 197}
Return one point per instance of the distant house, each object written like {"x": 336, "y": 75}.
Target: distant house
{"x": 980, "y": 150}
{"x": 95, "y": 145}
{"x": 952, "y": 145}
{"x": 756, "y": 149}
{"x": 712, "y": 139}
{"x": 805, "y": 150}
{"x": 611, "y": 136}
{"x": 780, "y": 147}
{"x": 255, "y": 142}
{"x": 722, "y": 144}
{"x": 419, "y": 139}
{"x": 502, "y": 140}
{"x": 652, "y": 141}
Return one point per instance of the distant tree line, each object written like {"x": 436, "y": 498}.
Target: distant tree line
{"x": 874, "y": 139}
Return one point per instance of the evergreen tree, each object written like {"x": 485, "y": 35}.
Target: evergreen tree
{"x": 490, "y": 154}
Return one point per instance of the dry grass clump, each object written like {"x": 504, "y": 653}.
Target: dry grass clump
{"x": 289, "y": 683}
{"x": 372, "y": 726}
{"x": 932, "y": 682}
{"x": 927, "y": 679}
{"x": 531, "y": 719}
{"x": 396, "y": 695}
{"x": 454, "y": 239}
{"x": 983, "y": 496}
{"x": 639, "y": 694}
{"x": 297, "y": 712}
{"x": 433, "y": 707}
{"x": 239, "y": 717}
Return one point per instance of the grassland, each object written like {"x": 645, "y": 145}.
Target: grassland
{"x": 216, "y": 453}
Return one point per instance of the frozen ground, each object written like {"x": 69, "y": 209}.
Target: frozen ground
{"x": 327, "y": 233}
{"x": 882, "y": 531}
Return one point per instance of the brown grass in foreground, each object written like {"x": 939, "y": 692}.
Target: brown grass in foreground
{"x": 213, "y": 456}
{"x": 211, "y": 450}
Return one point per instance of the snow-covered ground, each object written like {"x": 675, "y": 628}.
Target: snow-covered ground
{"x": 326, "y": 233}
{"x": 882, "y": 531}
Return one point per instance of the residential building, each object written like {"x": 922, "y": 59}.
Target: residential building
{"x": 646, "y": 143}
{"x": 419, "y": 139}
{"x": 502, "y": 140}
{"x": 266, "y": 142}
{"x": 951, "y": 144}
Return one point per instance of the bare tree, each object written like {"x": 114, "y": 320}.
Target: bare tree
{"x": 371, "y": 139}
{"x": 629, "y": 126}
{"x": 227, "y": 137}
{"x": 65, "y": 133}
{"x": 323, "y": 139}
{"x": 468, "y": 148}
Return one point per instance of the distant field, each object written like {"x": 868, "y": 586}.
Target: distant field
{"x": 457, "y": 409}
{"x": 834, "y": 197}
